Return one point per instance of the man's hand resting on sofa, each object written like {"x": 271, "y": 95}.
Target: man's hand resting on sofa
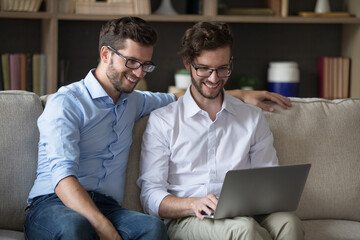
{"x": 257, "y": 98}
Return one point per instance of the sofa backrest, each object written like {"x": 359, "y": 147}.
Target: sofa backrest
{"x": 132, "y": 191}
{"x": 325, "y": 133}
{"x": 19, "y": 136}
{"x": 321, "y": 132}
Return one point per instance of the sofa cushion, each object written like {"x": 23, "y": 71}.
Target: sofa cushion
{"x": 18, "y": 154}
{"x": 331, "y": 230}
{"x": 327, "y": 134}
{"x": 11, "y": 235}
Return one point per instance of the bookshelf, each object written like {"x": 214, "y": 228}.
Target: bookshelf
{"x": 54, "y": 26}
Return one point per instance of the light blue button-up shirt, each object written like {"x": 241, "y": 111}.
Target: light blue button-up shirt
{"x": 84, "y": 134}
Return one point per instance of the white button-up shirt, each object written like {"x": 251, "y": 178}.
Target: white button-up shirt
{"x": 186, "y": 154}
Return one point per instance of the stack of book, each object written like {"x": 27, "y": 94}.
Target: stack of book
{"x": 21, "y": 5}
{"x": 277, "y": 8}
{"x": 20, "y": 71}
{"x": 114, "y": 7}
{"x": 334, "y": 77}
{"x": 66, "y": 6}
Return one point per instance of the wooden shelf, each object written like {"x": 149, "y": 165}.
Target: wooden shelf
{"x": 186, "y": 18}
{"x": 151, "y": 18}
{"x": 224, "y": 18}
{"x": 26, "y": 15}
{"x": 290, "y": 19}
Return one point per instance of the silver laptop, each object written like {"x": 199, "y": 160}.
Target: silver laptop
{"x": 258, "y": 191}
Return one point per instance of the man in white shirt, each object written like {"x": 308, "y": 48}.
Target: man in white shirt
{"x": 189, "y": 145}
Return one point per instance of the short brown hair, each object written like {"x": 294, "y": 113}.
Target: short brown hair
{"x": 116, "y": 31}
{"x": 205, "y": 36}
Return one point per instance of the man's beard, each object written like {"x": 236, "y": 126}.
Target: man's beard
{"x": 198, "y": 86}
{"x": 117, "y": 79}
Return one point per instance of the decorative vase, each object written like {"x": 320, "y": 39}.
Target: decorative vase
{"x": 165, "y": 8}
{"x": 322, "y": 6}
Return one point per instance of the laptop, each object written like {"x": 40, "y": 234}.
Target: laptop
{"x": 258, "y": 191}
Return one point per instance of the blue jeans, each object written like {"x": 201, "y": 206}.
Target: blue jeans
{"x": 48, "y": 218}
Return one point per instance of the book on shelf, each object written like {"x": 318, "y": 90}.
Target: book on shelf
{"x": 36, "y": 73}
{"x": 334, "y": 77}
{"x": 21, "y": 5}
{"x": 14, "y": 60}
{"x": 250, "y": 11}
{"x": 42, "y": 87}
{"x": 28, "y": 73}
{"x": 275, "y": 6}
{"x": 5, "y": 70}
{"x": 22, "y": 71}
{"x": 114, "y": 7}
{"x": 142, "y": 7}
{"x": 66, "y": 6}
{"x": 284, "y": 8}
{"x": 327, "y": 14}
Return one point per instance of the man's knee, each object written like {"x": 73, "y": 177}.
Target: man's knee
{"x": 67, "y": 226}
{"x": 77, "y": 227}
{"x": 288, "y": 220}
{"x": 248, "y": 228}
{"x": 156, "y": 228}
{"x": 284, "y": 225}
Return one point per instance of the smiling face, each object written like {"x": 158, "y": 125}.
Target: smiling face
{"x": 122, "y": 78}
{"x": 209, "y": 87}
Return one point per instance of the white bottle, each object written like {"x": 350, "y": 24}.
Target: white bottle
{"x": 284, "y": 78}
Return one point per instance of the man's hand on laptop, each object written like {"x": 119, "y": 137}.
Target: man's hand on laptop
{"x": 205, "y": 205}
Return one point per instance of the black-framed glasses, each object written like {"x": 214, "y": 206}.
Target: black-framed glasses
{"x": 135, "y": 64}
{"x": 222, "y": 72}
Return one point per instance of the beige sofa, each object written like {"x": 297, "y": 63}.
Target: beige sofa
{"x": 324, "y": 133}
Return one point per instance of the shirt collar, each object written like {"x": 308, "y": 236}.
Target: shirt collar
{"x": 191, "y": 108}
{"x": 228, "y": 99}
{"x": 96, "y": 90}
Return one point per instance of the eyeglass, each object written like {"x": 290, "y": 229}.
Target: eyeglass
{"x": 221, "y": 72}
{"x": 135, "y": 64}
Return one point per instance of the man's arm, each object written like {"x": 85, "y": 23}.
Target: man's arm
{"x": 256, "y": 98}
{"x": 175, "y": 207}
{"x": 74, "y": 196}
{"x": 262, "y": 151}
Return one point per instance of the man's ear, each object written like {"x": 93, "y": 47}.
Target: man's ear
{"x": 187, "y": 65}
{"x": 105, "y": 54}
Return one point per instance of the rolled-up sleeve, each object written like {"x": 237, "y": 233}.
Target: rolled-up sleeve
{"x": 60, "y": 135}
{"x": 154, "y": 164}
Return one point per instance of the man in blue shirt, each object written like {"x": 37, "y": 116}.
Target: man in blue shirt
{"x": 85, "y": 137}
